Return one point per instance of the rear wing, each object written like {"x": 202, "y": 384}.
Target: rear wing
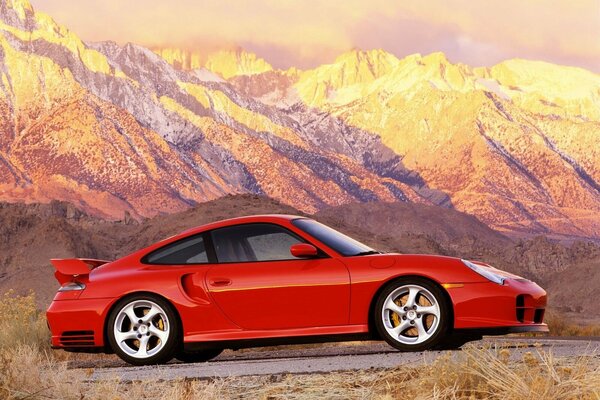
{"x": 69, "y": 268}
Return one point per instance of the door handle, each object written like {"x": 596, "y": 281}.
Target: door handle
{"x": 220, "y": 282}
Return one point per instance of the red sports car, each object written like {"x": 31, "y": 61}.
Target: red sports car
{"x": 275, "y": 279}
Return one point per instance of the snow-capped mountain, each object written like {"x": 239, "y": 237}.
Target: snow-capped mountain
{"x": 115, "y": 128}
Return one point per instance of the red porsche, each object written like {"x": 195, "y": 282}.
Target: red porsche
{"x": 277, "y": 279}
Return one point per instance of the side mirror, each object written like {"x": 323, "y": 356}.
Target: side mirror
{"x": 303, "y": 250}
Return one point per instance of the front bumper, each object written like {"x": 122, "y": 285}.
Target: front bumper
{"x": 516, "y": 306}
{"x": 78, "y": 325}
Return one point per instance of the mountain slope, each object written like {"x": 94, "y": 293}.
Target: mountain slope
{"x": 121, "y": 128}
{"x": 116, "y": 128}
{"x": 447, "y": 227}
{"x": 515, "y": 145}
{"x": 576, "y": 290}
{"x": 32, "y": 234}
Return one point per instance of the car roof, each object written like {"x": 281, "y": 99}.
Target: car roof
{"x": 242, "y": 220}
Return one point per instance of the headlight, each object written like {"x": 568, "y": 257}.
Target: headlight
{"x": 486, "y": 272}
{"x": 71, "y": 286}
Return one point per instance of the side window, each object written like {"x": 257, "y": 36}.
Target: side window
{"x": 190, "y": 250}
{"x": 254, "y": 242}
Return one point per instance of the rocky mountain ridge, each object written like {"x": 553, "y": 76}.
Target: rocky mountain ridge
{"x": 515, "y": 144}
{"x": 117, "y": 128}
{"x": 223, "y": 63}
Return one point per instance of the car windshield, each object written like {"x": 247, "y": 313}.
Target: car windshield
{"x": 338, "y": 241}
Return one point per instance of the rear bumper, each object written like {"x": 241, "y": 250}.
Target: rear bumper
{"x": 78, "y": 325}
{"x": 516, "y": 306}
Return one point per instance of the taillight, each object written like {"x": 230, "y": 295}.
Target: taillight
{"x": 71, "y": 286}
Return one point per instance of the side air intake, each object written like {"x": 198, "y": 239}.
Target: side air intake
{"x": 77, "y": 338}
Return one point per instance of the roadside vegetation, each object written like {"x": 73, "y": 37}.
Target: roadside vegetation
{"x": 559, "y": 325}
{"x": 30, "y": 370}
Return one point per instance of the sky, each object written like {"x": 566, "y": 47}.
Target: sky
{"x": 307, "y": 33}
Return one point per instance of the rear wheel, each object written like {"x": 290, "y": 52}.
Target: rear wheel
{"x": 198, "y": 356}
{"x": 412, "y": 314}
{"x": 143, "y": 330}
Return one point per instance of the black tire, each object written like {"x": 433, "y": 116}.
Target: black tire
{"x": 198, "y": 356}
{"x": 168, "y": 349}
{"x": 434, "y": 335}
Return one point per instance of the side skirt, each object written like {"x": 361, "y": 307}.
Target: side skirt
{"x": 277, "y": 341}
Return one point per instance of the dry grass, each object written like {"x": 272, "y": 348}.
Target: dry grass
{"x": 29, "y": 370}
{"x": 560, "y": 325}
{"x": 25, "y": 372}
{"x": 21, "y": 323}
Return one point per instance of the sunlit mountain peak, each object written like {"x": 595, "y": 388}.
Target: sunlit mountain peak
{"x": 21, "y": 7}
{"x": 115, "y": 128}
{"x": 229, "y": 63}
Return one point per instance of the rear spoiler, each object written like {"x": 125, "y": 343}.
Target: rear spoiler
{"x": 69, "y": 268}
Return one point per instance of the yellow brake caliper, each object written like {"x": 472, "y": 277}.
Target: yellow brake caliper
{"x": 396, "y": 317}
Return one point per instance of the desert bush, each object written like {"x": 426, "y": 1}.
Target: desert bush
{"x": 21, "y": 323}
{"x": 560, "y": 325}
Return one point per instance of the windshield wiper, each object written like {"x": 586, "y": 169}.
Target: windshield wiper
{"x": 366, "y": 253}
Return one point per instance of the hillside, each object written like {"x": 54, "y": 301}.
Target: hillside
{"x": 445, "y": 226}
{"x": 116, "y": 128}
{"x": 576, "y": 290}
{"x": 32, "y": 234}
{"x": 409, "y": 228}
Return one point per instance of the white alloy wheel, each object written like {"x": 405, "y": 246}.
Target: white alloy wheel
{"x": 141, "y": 329}
{"x": 411, "y": 314}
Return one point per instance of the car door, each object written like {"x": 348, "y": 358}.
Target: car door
{"x": 259, "y": 285}
{"x": 182, "y": 265}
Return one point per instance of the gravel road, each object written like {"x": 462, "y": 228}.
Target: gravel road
{"x": 321, "y": 358}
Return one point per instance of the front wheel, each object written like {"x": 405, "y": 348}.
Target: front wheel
{"x": 143, "y": 330}
{"x": 412, "y": 314}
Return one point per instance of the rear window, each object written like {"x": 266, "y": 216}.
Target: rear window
{"x": 190, "y": 250}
